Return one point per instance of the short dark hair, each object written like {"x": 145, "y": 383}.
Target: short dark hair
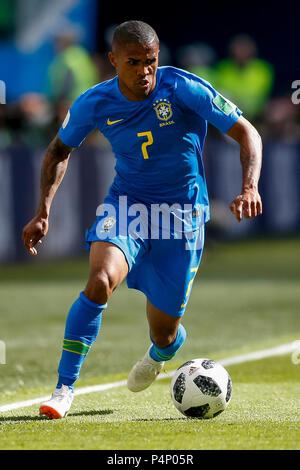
{"x": 134, "y": 31}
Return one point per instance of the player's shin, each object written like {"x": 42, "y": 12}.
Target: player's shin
{"x": 165, "y": 354}
{"x": 82, "y": 328}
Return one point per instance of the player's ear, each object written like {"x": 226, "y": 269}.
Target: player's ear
{"x": 112, "y": 59}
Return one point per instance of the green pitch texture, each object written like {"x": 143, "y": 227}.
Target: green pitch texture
{"x": 246, "y": 297}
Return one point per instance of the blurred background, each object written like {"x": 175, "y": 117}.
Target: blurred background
{"x": 248, "y": 295}
{"x": 50, "y": 52}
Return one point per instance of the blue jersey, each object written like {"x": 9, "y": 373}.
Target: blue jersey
{"x": 158, "y": 142}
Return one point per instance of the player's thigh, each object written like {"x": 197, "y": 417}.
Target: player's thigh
{"x": 163, "y": 327}
{"x": 108, "y": 266}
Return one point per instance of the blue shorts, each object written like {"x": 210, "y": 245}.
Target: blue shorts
{"x": 163, "y": 269}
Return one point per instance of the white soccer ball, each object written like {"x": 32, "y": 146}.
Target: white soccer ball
{"x": 201, "y": 388}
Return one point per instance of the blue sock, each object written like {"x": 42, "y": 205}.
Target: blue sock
{"x": 82, "y": 328}
{"x": 165, "y": 354}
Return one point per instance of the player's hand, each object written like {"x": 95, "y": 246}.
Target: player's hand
{"x": 36, "y": 229}
{"x": 248, "y": 204}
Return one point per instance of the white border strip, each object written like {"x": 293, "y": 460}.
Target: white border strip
{"x": 254, "y": 356}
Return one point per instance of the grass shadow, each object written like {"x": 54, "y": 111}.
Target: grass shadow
{"x": 92, "y": 413}
{"x": 4, "y": 419}
{"x": 160, "y": 419}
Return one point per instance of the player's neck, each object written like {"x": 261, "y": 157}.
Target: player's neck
{"x": 134, "y": 96}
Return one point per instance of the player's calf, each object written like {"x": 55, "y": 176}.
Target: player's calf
{"x": 145, "y": 371}
{"x": 166, "y": 353}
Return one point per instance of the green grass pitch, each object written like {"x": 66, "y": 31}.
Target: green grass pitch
{"x": 246, "y": 297}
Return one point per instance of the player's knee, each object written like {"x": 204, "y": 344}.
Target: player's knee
{"x": 100, "y": 286}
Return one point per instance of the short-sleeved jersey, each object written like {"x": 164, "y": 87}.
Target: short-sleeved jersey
{"x": 157, "y": 142}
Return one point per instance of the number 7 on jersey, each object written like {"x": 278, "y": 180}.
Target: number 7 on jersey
{"x": 149, "y": 136}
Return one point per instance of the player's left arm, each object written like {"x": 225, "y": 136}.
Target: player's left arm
{"x": 248, "y": 203}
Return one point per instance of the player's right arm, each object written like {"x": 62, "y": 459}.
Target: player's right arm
{"x": 78, "y": 123}
{"x": 53, "y": 170}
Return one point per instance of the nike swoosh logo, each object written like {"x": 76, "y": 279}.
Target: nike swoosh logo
{"x": 113, "y": 122}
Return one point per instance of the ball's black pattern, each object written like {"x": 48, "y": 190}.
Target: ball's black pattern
{"x": 197, "y": 411}
{"x": 229, "y": 390}
{"x": 208, "y": 364}
{"x": 179, "y": 388}
{"x": 207, "y": 385}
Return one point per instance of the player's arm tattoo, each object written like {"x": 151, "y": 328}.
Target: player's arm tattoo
{"x": 248, "y": 202}
{"x": 250, "y": 152}
{"x": 54, "y": 166}
{"x": 251, "y": 158}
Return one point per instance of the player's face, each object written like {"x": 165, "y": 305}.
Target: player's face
{"x": 136, "y": 66}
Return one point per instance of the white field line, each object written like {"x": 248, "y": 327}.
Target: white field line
{"x": 254, "y": 356}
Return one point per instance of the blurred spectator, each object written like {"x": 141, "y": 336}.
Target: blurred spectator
{"x": 198, "y": 58}
{"x": 35, "y": 109}
{"x": 244, "y": 78}
{"x": 5, "y": 132}
{"x": 72, "y": 70}
{"x": 36, "y": 115}
{"x": 102, "y": 62}
{"x": 26, "y": 122}
{"x": 281, "y": 120}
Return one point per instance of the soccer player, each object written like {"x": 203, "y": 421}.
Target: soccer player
{"x": 155, "y": 119}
